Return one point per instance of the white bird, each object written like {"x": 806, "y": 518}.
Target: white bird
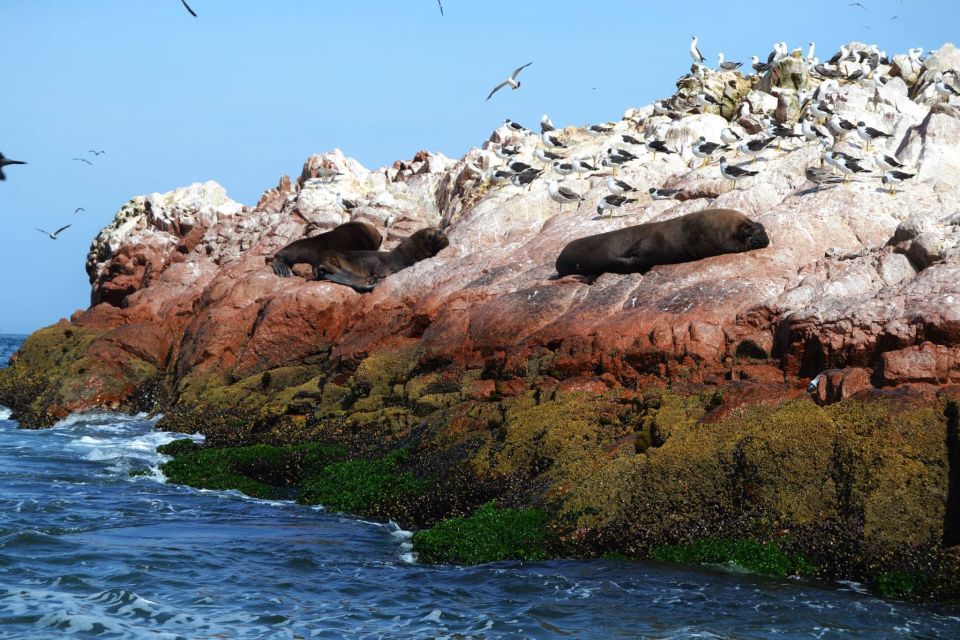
{"x": 619, "y": 186}
{"x": 664, "y": 194}
{"x": 563, "y": 168}
{"x": 330, "y": 173}
{"x": 704, "y": 99}
{"x": 847, "y": 165}
{"x": 839, "y": 126}
{"x": 727, "y": 65}
{"x": 695, "y": 52}
{"x": 893, "y": 178}
{"x": 505, "y": 152}
{"x": 562, "y": 195}
{"x": 705, "y": 150}
{"x": 812, "y": 131}
{"x": 346, "y": 205}
{"x": 582, "y": 166}
{"x": 729, "y": 136}
{"x": 53, "y": 236}
{"x": 514, "y": 126}
{"x": 552, "y": 142}
{"x": 944, "y": 88}
{"x": 611, "y": 203}
{"x": 869, "y": 134}
{"x": 811, "y": 60}
{"x": 733, "y": 172}
{"x": 755, "y": 147}
{"x": 888, "y": 163}
{"x": 546, "y": 156}
{"x": 511, "y": 81}
{"x": 546, "y": 125}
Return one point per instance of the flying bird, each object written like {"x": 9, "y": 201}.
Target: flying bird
{"x": 440, "y": 4}
{"x": 84, "y": 160}
{"x": 78, "y": 210}
{"x": 511, "y": 81}
{"x": 52, "y": 236}
{"x": 95, "y": 152}
{"x": 6, "y": 161}
{"x": 856, "y": 4}
{"x": 192, "y": 12}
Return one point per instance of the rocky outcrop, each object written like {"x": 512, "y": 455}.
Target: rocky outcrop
{"x": 858, "y": 291}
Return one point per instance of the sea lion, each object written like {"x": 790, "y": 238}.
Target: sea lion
{"x": 363, "y": 270}
{"x": 636, "y": 249}
{"x": 350, "y": 236}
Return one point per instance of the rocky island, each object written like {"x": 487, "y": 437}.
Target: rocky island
{"x": 793, "y": 409}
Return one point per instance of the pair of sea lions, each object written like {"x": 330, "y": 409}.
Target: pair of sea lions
{"x": 637, "y": 249}
{"x": 348, "y": 254}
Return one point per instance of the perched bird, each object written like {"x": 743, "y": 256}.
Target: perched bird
{"x": 847, "y": 165}
{"x": 582, "y": 166}
{"x": 888, "y": 163}
{"x": 599, "y": 130}
{"x": 563, "y": 168}
{"x": 658, "y": 146}
{"x": 346, "y": 205}
{"x": 515, "y": 126}
{"x": 704, "y": 150}
{"x": 754, "y": 147}
{"x": 4, "y": 162}
{"x": 611, "y": 203}
{"x": 820, "y": 176}
{"x": 330, "y": 173}
{"x": 839, "y": 126}
{"x": 695, "y": 52}
{"x": 500, "y": 176}
{"x": 623, "y": 153}
{"x": 664, "y": 194}
{"x": 546, "y": 156}
{"x": 188, "y": 8}
{"x": 704, "y": 99}
{"x": 758, "y": 66}
{"x": 661, "y": 108}
{"x": 84, "y": 160}
{"x": 733, "y": 172}
{"x": 869, "y": 134}
{"x": 630, "y": 139}
{"x": 729, "y": 136}
{"x": 552, "y": 142}
{"x": 727, "y": 65}
{"x": 505, "y": 152}
{"x": 813, "y": 131}
{"x": 526, "y": 177}
{"x": 839, "y": 55}
{"x": 893, "y": 178}
{"x": 944, "y": 88}
{"x": 518, "y": 167}
{"x": 545, "y": 124}
{"x": 53, "y": 236}
{"x": 820, "y": 109}
{"x": 512, "y": 81}
{"x": 619, "y": 186}
{"x": 613, "y": 162}
{"x": 826, "y": 72}
{"x": 562, "y": 194}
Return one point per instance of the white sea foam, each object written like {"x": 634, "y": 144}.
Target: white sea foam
{"x": 4, "y": 412}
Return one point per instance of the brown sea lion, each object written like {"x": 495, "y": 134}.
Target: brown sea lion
{"x": 363, "y": 270}
{"x": 350, "y": 236}
{"x": 636, "y": 249}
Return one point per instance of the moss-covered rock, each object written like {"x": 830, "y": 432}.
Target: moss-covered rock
{"x": 489, "y": 535}
{"x": 761, "y": 557}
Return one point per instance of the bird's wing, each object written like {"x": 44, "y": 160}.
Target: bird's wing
{"x": 188, "y": 8}
{"x": 60, "y": 229}
{"x": 46, "y": 233}
{"x": 567, "y": 193}
{"x": 517, "y": 71}
{"x": 79, "y": 209}
{"x": 440, "y": 4}
{"x": 497, "y": 88}
{"x": 856, "y": 4}
{"x": 699, "y": 55}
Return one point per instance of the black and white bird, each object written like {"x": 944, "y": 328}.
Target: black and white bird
{"x": 727, "y": 65}
{"x": 346, "y": 205}
{"x": 839, "y": 127}
{"x": 944, "y": 88}
{"x": 562, "y": 194}
{"x": 733, "y": 172}
{"x": 626, "y": 137}
{"x": 759, "y": 67}
{"x": 619, "y": 186}
{"x": 869, "y": 134}
{"x": 551, "y": 141}
{"x": 188, "y": 8}
{"x": 613, "y": 162}
{"x": 599, "y": 130}
{"x": 582, "y": 166}
{"x": 820, "y": 110}
{"x": 661, "y": 107}
{"x": 888, "y": 163}
{"x": 658, "y": 146}
{"x": 500, "y": 176}
{"x": 53, "y": 236}
{"x": 515, "y": 126}
{"x": 695, "y": 52}
{"x": 6, "y": 162}
{"x": 616, "y": 151}
{"x": 825, "y": 72}
{"x": 664, "y": 194}
{"x": 506, "y": 152}
{"x": 611, "y": 203}
{"x": 546, "y": 125}
{"x": 563, "y": 168}
{"x": 729, "y": 136}
{"x": 839, "y": 55}
{"x": 518, "y": 167}
{"x": 525, "y": 177}
{"x": 704, "y": 99}
{"x": 704, "y": 150}
{"x": 820, "y": 177}
{"x": 512, "y": 81}
{"x": 847, "y": 165}
{"x": 755, "y": 147}
{"x": 813, "y": 132}
{"x": 546, "y": 156}
{"x": 893, "y": 178}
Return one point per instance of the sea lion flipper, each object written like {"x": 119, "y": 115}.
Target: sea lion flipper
{"x": 281, "y": 268}
{"x": 361, "y": 285}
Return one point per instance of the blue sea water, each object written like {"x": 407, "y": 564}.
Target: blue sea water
{"x": 86, "y": 550}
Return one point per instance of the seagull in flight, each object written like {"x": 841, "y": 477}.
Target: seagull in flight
{"x": 857, "y": 4}
{"x": 78, "y": 210}
{"x": 84, "y": 160}
{"x": 188, "y": 8}
{"x": 512, "y": 80}
{"x": 440, "y": 4}
{"x": 6, "y": 161}
{"x": 96, "y": 153}
{"x": 52, "y": 236}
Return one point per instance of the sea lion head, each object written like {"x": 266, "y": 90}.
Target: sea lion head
{"x": 751, "y": 235}
{"x": 430, "y": 241}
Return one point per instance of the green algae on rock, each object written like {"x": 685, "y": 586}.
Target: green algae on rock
{"x": 761, "y": 557}
{"x": 489, "y": 535}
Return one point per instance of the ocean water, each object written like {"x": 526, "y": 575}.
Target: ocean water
{"x": 86, "y": 550}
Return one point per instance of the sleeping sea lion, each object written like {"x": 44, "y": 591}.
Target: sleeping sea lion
{"x": 350, "y": 236}
{"x": 362, "y": 270}
{"x": 636, "y": 249}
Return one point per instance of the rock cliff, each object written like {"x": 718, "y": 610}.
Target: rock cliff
{"x": 643, "y": 409}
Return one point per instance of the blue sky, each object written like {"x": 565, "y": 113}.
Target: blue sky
{"x": 247, "y": 91}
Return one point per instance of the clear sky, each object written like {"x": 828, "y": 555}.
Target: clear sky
{"x": 245, "y": 92}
